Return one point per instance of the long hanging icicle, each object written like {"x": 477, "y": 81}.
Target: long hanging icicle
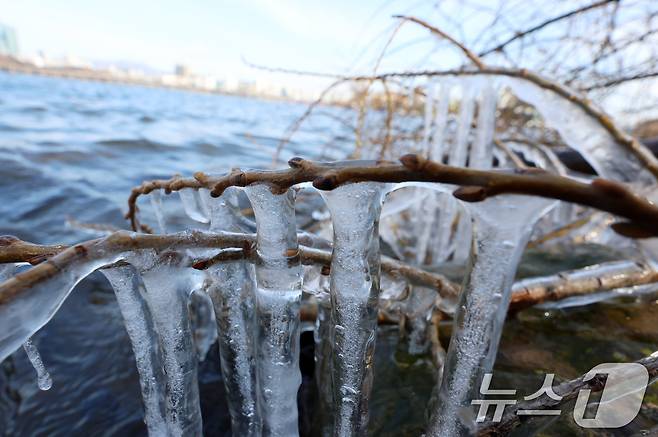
{"x": 502, "y": 226}
{"x": 168, "y": 287}
{"x": 278, "y": 296}
{"x": 355, "y": 268}
{"x": 144, "y": 340}
{"x": 44, "y": 381}
{"x": 232, "y": 292}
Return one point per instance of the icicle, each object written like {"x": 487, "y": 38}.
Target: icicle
{"x": 191, "y": 204}
{"x": 459, "y": 152}
{"x": 583, "y": 133}
{"x": 502, "y": 226}
{"x": 167, "y": 292}
{"x": 144, "y": 340}
{"x": 427, "y": 123}
{"x": 44, "y": 381}
{"x": 156, "y": 203}
{"x": 204, "y": 325}
{"x": 324, "y": 420}
{"x": 232, "y": 291}
{"x": 481, "y": 155}
{"x": 278, "y": 275}
{"x": 440, "y": 122}
{"x": 355, "y": 271}
{"x": 21, "y": 317}
{"x": 205, "y": 201}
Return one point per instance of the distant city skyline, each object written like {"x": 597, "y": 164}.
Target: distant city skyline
{"x": 213, "y": 38}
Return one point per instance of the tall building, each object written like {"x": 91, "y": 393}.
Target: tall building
{"x": 8, "y": 42}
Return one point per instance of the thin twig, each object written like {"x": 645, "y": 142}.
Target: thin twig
{"x": 435, "y": 30}
{"x": 524, "y": 33}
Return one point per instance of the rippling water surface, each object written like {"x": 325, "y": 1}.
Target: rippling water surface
{"x": 73, "y": 150}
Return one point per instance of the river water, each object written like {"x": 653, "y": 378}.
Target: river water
{"x": 72, "y": 150}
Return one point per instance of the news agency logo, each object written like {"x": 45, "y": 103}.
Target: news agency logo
{"x": 618, "y": 405}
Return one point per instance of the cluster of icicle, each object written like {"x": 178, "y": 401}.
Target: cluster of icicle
{"x": 438, "y": 230}
{"x": 256, "y": 307}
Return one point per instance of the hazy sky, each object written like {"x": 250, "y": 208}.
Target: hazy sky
{"x": 213, "y": 36}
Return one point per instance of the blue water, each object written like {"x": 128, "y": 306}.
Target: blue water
{"x": 73, "y": 150}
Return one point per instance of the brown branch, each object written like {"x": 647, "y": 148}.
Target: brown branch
{"x": 477, "y": 185}
{"x": 525, "y": 293}
{"x": 435, "y": 30}
{"x": 60, "y": 257}
{"x": 524, "y": 33}
{"x": 627, "y": 141}
{"x": 568, "y": 391}
{"x": 631, "y": 143}
{"x": 518, "y": 162}
{"x": 620, "y": 80}
{"x": 591, "y": 279}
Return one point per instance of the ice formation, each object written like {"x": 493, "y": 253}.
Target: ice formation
{"x": 44, "y": 381}
{"x": 193, "y": 205}
{"x": 156, "y": 203}
{"x": 278, "y": 295}
{"x": 168, "y": 284}
{"x": 129, "y": 292}
{"x": 232, "y": 290}
{"x": 502, "y": 226}
{"x": 355, "y": 271}
{"x": 21, "y": 318}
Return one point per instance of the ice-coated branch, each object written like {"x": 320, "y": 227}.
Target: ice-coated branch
{"x": 21, "y": 251}
{"x": 528, "y": 292}
{"x": 602, "y": 194}
{"x": 567, "y": 391}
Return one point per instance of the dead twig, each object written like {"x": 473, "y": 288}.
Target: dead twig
{"x": 436, "y": 31}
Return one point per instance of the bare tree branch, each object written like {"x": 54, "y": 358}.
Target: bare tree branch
{"x": 435, "y": 30}
{"x": 533, "y": 29}
{"x": 602, "y": 194}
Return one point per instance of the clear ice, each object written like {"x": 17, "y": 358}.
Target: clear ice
{"x": 232, "y": 290}
{"x": 137, "y": 319}
{"x": 44, "y": 381}
{"x": 355, "y": 270}
{"x": 502, "y": 226}
{"x": 193, "y": 205}
{"x": 278, "y": 296}
{"x": 168, "y": 284}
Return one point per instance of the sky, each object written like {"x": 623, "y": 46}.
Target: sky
{"x": 215, "y": 37}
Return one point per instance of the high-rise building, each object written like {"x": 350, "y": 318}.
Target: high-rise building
{"x": 8, "y": 42}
